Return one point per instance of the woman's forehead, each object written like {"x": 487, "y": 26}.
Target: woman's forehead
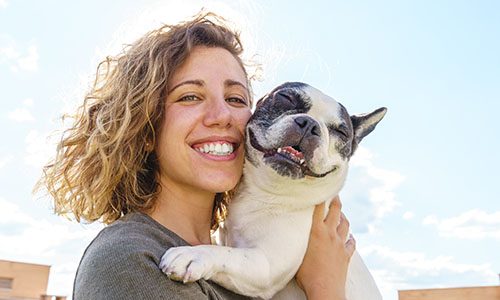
{"x": 209, "y": 64}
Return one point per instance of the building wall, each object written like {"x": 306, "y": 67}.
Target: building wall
{"x": 466, "y": 293}
{"x": 29, "y": 281}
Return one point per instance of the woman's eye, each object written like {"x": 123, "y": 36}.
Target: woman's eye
{"x": 189, "y": 98}
{"x": 237, "y": 100}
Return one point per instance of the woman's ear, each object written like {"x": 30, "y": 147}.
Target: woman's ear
{"x": 149, "y": 147}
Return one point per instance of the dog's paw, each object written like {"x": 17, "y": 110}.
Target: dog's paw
{"x": 187, "y": 264}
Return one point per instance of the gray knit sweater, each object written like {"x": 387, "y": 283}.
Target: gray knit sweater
{"x": 122, "y": 263}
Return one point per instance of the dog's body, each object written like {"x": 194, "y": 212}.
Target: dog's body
{"x": 298, "y": 144}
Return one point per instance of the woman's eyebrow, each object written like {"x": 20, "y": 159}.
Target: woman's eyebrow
{"x": 195, "y": 82}
{"x": 227, "y": 83}
{"x": 230, "y": 82}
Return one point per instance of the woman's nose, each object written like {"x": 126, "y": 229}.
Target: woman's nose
{"x": 218, "y": 113}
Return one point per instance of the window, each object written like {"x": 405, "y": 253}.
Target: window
{"x": 5, "y": 283}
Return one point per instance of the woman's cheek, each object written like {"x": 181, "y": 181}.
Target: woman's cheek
{"x": 244, "y": 119}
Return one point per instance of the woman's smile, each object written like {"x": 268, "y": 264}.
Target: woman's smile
{"x": 217, "y": 148}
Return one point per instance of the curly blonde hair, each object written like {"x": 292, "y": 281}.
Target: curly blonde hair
{"x": 105, "y": 165}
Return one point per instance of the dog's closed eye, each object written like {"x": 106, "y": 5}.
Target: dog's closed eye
{"x": 339, "y": 130}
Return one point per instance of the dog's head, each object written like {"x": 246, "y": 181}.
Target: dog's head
{"x": 298, "y": 132}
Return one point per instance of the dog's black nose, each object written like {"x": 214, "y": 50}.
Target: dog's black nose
{"x": 308, "y": 125}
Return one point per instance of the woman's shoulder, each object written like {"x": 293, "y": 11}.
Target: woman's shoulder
{"x": 135, "y": 241}
{"x": 122, "y": 263}
{"x": 136, "y": 231}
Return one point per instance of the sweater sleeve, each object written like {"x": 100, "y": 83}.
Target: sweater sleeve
{"x": 121, "y": 263}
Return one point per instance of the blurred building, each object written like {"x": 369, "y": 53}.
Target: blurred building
{"x": 24, "y": 281}
{"x": 462, "y": 293}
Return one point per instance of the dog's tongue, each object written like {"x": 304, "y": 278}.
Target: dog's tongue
{"x": 293, "y": 152}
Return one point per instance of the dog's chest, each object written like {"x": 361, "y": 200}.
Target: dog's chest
{"x": 256, "y": 218}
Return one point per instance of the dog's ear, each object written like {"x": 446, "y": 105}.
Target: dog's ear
{"x": 364, "y": 124}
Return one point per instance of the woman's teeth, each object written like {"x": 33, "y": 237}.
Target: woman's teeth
{"x": 216, "y": 149}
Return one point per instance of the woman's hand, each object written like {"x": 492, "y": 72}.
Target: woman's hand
{"x": 323, "y": 272}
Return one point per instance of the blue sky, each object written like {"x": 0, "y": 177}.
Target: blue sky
{"x": 422, "y": 195}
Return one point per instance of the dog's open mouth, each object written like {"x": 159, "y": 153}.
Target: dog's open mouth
{"x": 286, "y": 160}
{"x": 291, "y": 153}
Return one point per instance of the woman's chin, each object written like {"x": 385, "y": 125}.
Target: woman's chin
{"x": 220, "y": 187}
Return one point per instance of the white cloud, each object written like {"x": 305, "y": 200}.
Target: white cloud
{"x": 238, "y": 14}
{"x": 11, "y": 213}
{"x": 8, "y": 53}
{"x": 3, "y": 3}
{"x": 28, "y": 102}
{"x": 39, "y": 149}
{"x": 29, "y": 62}
{"x": 39, "y": 238}
{"x": 369, "y": 194}
{"x": 48, "y": 240}
{"x": 419, "y": 263}
{"x": 383, "y": 195}
{"x": 395, "y": 270}
{"x": 21, "y": 115}
{"x": 5, "y": 160}
{"x": 408, "y": 215}
{"x": 26, "y": 60}
{"x": 473, "y": 224}
{"x": 61, "y": 277}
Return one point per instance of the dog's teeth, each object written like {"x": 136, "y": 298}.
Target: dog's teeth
{"x": 279, "y": 150}
{"x": 302, "y": 161}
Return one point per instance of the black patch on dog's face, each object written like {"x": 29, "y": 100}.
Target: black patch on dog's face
{"x": 344, "y": 131}
{"x": 284, "y": 167}
{"x": 284, "y": 99}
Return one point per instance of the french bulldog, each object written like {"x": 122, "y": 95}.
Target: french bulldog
{"x": 298, "y": 145}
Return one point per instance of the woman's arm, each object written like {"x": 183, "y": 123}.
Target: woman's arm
{"x": 327, "y": 247}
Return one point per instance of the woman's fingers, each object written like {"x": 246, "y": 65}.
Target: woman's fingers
{"x": 319, "y": 212}
{"x": 324, "y": 268}
{"x": 350, "y": 245}
{"x": 343, "y": 227}
{"x": 333, "y": 217}
{"x": 335, "y": 220}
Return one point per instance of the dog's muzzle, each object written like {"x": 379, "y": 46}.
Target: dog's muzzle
{"x": 291, "y": 159}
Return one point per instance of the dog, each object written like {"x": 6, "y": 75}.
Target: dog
{"x": 298, "y": 144}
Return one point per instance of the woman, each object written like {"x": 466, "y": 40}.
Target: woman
{"x": 154, "y": 148}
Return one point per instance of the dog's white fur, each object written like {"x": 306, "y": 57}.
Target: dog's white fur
{"x": 267, "y": 230}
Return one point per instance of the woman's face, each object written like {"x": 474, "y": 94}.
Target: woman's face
{"x": 201, "y": 142}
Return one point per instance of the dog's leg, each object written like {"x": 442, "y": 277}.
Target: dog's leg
{"x": 259, "y": 271}
{"x": 246, "y": 271}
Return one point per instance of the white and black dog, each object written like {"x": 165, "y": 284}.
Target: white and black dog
{"x": 298, "y": 144}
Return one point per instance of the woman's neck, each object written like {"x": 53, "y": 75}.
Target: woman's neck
{"x": 186, "y": 212}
